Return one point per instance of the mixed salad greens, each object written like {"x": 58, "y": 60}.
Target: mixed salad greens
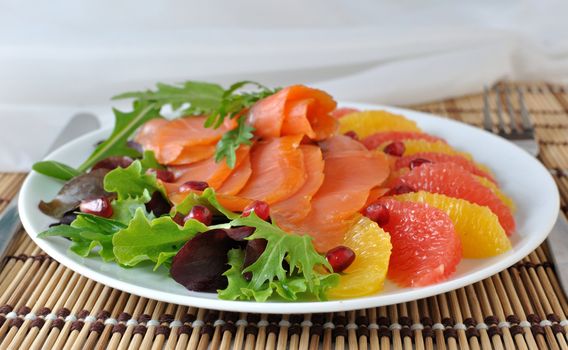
{"x": 242, "y": 257}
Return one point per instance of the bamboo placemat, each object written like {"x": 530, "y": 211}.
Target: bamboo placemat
{"x": 45, "y": 305}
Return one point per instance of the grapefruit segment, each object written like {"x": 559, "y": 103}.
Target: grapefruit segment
{"x": 425, "y": 246}
{"x": 385, "y": 137}
{"x": 467, "y": 164}
{"x": 453, "y": 181}
{"x": 480, "y": 232}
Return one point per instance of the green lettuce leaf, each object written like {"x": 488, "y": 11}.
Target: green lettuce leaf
{"x": 149, "y": 161}
{"x": 124, "y": 209}
{"x": 131, "y": 182}
{"x": 268, "y": 274}
{"x": 88, "y": 232}
{"x": 206, "y": 198}
{"x": 155, "y": 240}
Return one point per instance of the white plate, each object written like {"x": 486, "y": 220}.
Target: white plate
{"x": 520, "y": 175}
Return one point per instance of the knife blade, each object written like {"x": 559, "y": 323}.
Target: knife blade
{"x": 558, "y": 245}
{"x": 10, "y": 219}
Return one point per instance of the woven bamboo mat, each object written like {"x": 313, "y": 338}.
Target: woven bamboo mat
{"x": 45, "y": 305}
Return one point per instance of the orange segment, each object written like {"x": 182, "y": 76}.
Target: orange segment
{"x": 277, "y": 170}
{"x": 370, "y": 122}
{"x": 480, "y": 232}
{"x": 366, "y": 275}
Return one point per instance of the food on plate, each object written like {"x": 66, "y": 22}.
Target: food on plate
{"x": 277, "y": 194}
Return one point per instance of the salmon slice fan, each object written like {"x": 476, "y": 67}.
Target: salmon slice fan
{"x": 238, "y": 178}
{"x": 349, "y": 176}
{"x": 294, "y": 110}
{"x": 208, "y": 170}
{"x": 277, "y": 170}
{"x": 298, "y": 205}
{"x": 172, "y": 138}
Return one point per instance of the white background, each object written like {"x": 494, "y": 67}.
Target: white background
{"x": 61, "y": 57}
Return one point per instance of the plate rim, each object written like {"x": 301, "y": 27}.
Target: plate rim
{"x": 296, "y": 307}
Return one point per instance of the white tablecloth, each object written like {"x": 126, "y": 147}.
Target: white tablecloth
{"x": 58, "y": 58}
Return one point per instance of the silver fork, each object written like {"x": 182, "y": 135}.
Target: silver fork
{"x": 523, "y": 136}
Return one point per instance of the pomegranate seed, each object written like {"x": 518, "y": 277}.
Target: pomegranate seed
{"x": 340, "y": 258}
{"x": 201, "y": 214}
{"x": 164, "y": 175}
{"x": 395, "y": 148}
{"x": 352, "y": 134}
{"x": 418, "y": 162}
{"x": 98, "y": 206}
{"x": 193, "y": 186}
{"x": 260, "y": 208}
{"x": 113, "y": 163}
{"x": 377, "y": 212}
{"x": 401, "y": 189}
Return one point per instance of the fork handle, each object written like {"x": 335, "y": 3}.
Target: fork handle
{"x": 9, "y": 225}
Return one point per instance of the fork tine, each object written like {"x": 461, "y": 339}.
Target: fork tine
{"x": 525, "y": 120}
{"x": 487, "y": 122}
{"x": 499, "y": 110}
{"x": 515, "y": 127}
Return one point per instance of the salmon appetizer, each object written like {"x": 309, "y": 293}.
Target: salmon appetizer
{"x": 257, "y": 194}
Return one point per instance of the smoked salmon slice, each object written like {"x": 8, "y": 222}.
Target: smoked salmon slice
{"x": 169, "y": 139}
{"x": 277, "y": 169}
{"x": 349, "y": 176}
{"x": 238, "y": 178}
{"x": 208, "y": 170}
{"x": 295, "y": 110}
{"x": 296, "y": 207}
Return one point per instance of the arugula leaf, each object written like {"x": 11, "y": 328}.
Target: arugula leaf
{"x": 88, "y": 232}
{"x": 231, "y": 140}
{"x": 125, "y": 125}
{"x": 131, "y": 182}
{"x": 206, "y": 198}
{"x": 268, "y": 274}
{"x": 56, "y": 170}
{"x": 199, "y": 98}
{"x": 191, "y": 97}
{"x": 157, "y": 240}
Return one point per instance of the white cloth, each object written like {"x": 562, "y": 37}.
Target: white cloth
{"x": 62, "y": 57}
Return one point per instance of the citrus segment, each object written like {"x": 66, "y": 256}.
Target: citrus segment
{"x": 480, "y": 232}
{"x": 370, "y": 122}
{"x": 453, "y": 181}
{"x": 366, "y": 275}
{"x": 495, "y": 189}
{"x": 375, "y": 140}
{"x": 433, "y": 157}
{"x": 426, "y": 248}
